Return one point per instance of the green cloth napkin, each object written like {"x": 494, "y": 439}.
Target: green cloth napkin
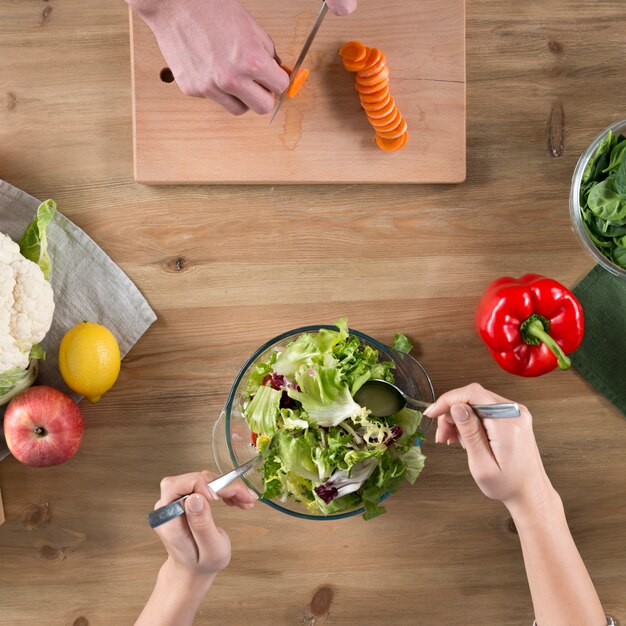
{"x": 601, "y": 358}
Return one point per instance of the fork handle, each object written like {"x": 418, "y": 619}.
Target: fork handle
{"x": 176, "y": 508}
{"x": 167, "y": 512}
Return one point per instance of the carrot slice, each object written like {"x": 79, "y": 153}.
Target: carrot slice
{"x": 390, "y": 145}
{"x": 298, "y": 81}
{"x": 395, "y": 133}
{"x": 390, "y": 107}
{"x": 364, "y": 89}
{"x": 377, "y": 96}
{"x": 374, "y": 56}
{"x": 376, "y": 67}
{"x": 353, "y": 51}
{"x": 383, "y": 121}
{"x": 376, "y": 106}
{"x": 373, "y": 79}
{"x": 393, "y": 125}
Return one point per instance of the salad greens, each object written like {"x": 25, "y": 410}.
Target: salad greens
{"x": 603, "y": 198}
{"x": 321, "y": 448}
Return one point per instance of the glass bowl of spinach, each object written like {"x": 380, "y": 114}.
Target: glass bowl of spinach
{"x": 598, "y": 199}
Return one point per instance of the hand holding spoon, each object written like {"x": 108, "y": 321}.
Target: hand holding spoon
{"x": 383, "y": 398}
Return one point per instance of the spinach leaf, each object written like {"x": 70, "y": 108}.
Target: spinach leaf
{"x": 619, "y": 256}
{"x": 607, "y": 202}
{"x": 601, "y": 154}
{"x": 609, "y": 229}
{"x": 617, "y": 155}
{"x": 620, "y": 178}
{"x": 620, "y": 242}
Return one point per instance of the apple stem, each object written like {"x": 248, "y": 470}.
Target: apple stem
{"x": 39, "y": 430}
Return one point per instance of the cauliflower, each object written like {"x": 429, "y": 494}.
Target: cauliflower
{"x": 26, "y": 306}
{"x": 26, "y": 303}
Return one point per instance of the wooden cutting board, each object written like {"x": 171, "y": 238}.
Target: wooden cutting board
{"x": 322, "y": 136}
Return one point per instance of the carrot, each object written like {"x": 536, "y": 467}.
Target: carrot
{"x": 366, "y": 90}
{"x": 391, "y": 145}
{"x": 376, "y": 106}
{"x": 387, "y": 128}
{"x": 372, "y": 85}
{"x": 298, "y": 81}
{"x": 377, "y": 96}
{"x": 373, "y": 79}
{"x": 389, "y": 108}
{"x": 374, "y": 57}
{"x": 395, "y": 133}
{"x": 353, "y": 51}
{"x": 383, "y": 121}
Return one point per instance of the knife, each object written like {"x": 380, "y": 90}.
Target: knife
{"x": 301, "y": 56}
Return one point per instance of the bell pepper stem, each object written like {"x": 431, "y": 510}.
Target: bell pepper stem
{"x": 536, "y": 329}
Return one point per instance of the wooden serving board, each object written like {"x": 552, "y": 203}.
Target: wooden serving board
{"x": 322, "y": 136}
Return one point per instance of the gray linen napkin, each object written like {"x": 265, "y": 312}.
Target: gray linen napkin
{"x": 86, "y": 282}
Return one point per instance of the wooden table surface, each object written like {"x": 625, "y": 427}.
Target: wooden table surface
{"x": 227, "y": 268}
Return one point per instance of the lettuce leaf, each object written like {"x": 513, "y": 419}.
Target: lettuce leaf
{"x": 262, "y": 411}
{"x": 323, "y": 397}
{"x": 414, "y": 462}
{"x": 409, "y": 420}
{"x": 296, "y": 453}
{"x": 34, "y": 243}
{"x": 310, "y": 346}
{"x": 401, "y": 343}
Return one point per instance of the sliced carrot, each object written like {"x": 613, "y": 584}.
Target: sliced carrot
{"x": 376, "y": 106}
{"x": 353, "y": 51}
{"x": 374, "y": 79}
{"x": 374, "y": 56}
{"x": 372, "y": 85}
{"x": 298, "y": 81}
{"x": 390, "y": 145}
{"x": 390, "y": 107}
{"x": 383, "y": 121}
{"x": 370, "y": 70}
{"x": 395, "y": 133}
{"x": 363, "y": 89}
{"x": 377, "y": 96}
{"x": 393, "y": 125}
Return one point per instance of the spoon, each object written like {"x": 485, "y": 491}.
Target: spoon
{"x": 176, "y": 508}
{"x": 383, "y": 398}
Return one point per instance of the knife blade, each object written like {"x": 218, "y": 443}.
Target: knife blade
{"x": 301, "y": 56}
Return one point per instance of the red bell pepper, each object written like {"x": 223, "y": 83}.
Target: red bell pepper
{"x": 530, "y": 324}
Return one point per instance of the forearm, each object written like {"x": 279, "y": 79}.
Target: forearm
{"x": 561, "y": 588}
{"x": 175, "y": 599}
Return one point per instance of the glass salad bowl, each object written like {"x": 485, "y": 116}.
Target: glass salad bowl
{"x": 232, "y": 437}
{"x": 578, "y": 223}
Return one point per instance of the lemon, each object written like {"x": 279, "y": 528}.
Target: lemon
{"x": 89, "y": 359}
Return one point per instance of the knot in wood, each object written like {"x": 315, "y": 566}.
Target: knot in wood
{"x": 555, "y": 46}
{"x": 51, "y": 553}
{"x": 177, "y": 264}
{"x": 45, "y": 15}
{"x": 321, "y": 601}
{"x": 36, "y": 515}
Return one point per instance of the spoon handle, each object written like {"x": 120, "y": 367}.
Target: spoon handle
{"x": 484, "y": 411}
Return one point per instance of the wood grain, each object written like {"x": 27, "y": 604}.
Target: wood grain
{"x": 228, "y": 267}
{"x": 324, "y": 136}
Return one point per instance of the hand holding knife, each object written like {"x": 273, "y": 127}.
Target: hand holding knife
{"x": 305, "y": 49}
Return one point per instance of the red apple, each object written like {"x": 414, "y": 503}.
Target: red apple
{"x": 43, "y": 427}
